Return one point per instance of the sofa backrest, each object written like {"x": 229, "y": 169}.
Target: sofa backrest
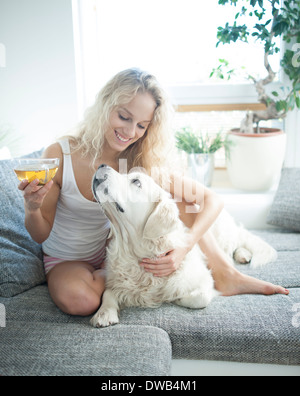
{"x": 21, "y": 266}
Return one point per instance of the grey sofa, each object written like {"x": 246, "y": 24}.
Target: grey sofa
{"x": 36, "y": 338}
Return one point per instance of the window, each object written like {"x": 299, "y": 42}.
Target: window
{"x": 173, "y": 39}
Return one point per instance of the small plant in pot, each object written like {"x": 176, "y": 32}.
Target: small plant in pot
{"x": 200, "y": 152}
{"x": 257, "y": 158}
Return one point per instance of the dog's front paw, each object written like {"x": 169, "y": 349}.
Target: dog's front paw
{"x": 105, "y": 318}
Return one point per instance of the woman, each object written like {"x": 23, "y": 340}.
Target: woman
{"x": 128, "y": 121}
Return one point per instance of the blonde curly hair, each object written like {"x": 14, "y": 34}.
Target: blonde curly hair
{"x": 154, "y": 148}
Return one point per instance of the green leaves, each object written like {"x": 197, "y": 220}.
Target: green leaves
{"x": 291, "y": 101}
{"x": 271, "y": 20}
{"x": 232, "y": 2}
{"x": 188, "y": 141}
{"x": 254, "y": 2}
{"x": 285, "y": 21}
{"x": 223, "y": 71}
{"x": 291, "y": 68}
{"x": 233, "y": 33}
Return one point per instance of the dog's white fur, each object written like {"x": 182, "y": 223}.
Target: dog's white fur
{"x": 145, "y": 223}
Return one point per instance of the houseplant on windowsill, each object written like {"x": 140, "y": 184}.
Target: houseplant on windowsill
{"x": 200, "y": 152}
{"x": 257, "y": 157}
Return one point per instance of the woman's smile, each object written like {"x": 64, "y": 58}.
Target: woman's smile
{"x": 122, "y": 138}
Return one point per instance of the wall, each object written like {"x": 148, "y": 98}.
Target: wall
{"x": 38, "y": 99}
{"x": 292, "y": 128}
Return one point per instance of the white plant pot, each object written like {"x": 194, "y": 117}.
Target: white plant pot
{"x": 256, "y": 160}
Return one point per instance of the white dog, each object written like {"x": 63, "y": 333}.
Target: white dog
{"x": 145, "y": 224}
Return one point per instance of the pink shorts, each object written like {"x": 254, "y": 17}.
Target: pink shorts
{"x": 96, "y": 261}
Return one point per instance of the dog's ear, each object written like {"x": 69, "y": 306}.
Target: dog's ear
{"x": 162, "y": 220}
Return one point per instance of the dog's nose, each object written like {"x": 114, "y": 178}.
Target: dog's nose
{"x": 101, "y": 174}
{"x": 102, "y": 179}
{"x": 99, "y": 179}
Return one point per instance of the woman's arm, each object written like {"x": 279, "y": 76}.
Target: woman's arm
{"x": 40, "y": 202}
{"x": 199, "y": 208}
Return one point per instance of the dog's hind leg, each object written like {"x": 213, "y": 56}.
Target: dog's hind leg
{"x": 242, "y": 255}
{"x": 262, "y": 253}
{"x": 198, "y": 299}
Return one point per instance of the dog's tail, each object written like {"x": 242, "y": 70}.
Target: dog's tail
{"x": 262, "y": 253}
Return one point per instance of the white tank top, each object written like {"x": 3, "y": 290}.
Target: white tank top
{"x": 80, "y": 227}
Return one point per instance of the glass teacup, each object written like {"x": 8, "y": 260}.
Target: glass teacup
{"x": 36, "y": 168}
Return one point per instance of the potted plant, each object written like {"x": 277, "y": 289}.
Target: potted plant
{"x": 200, "y": 152}
{"x": 258, "y": 154}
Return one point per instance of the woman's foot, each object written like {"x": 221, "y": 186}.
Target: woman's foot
{"x": 230, "y": 282}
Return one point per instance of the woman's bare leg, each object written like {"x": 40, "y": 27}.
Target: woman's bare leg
{"x": 76, "y": 288}
{"x": 228, "y": 280}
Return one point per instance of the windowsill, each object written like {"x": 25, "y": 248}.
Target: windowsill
{"x": 221, "y": 184}
{"x": 249, "y": 208}
{"x": 221, "y": 179}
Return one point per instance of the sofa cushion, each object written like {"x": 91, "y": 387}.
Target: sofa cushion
{"x": 281, "y": 240}
{"x": 246, "y": 328}
{"x": 285, "y": 271}
{"x": 21, "y": 264}
{"x": 285, "y": 211}
{"x": 39, "y": 339}
{"x": 38, "y": 349}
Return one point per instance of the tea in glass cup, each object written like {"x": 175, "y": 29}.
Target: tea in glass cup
{"x": 37, "y": 168}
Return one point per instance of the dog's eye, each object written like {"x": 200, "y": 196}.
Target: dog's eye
{"x": 137, "y": 182}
